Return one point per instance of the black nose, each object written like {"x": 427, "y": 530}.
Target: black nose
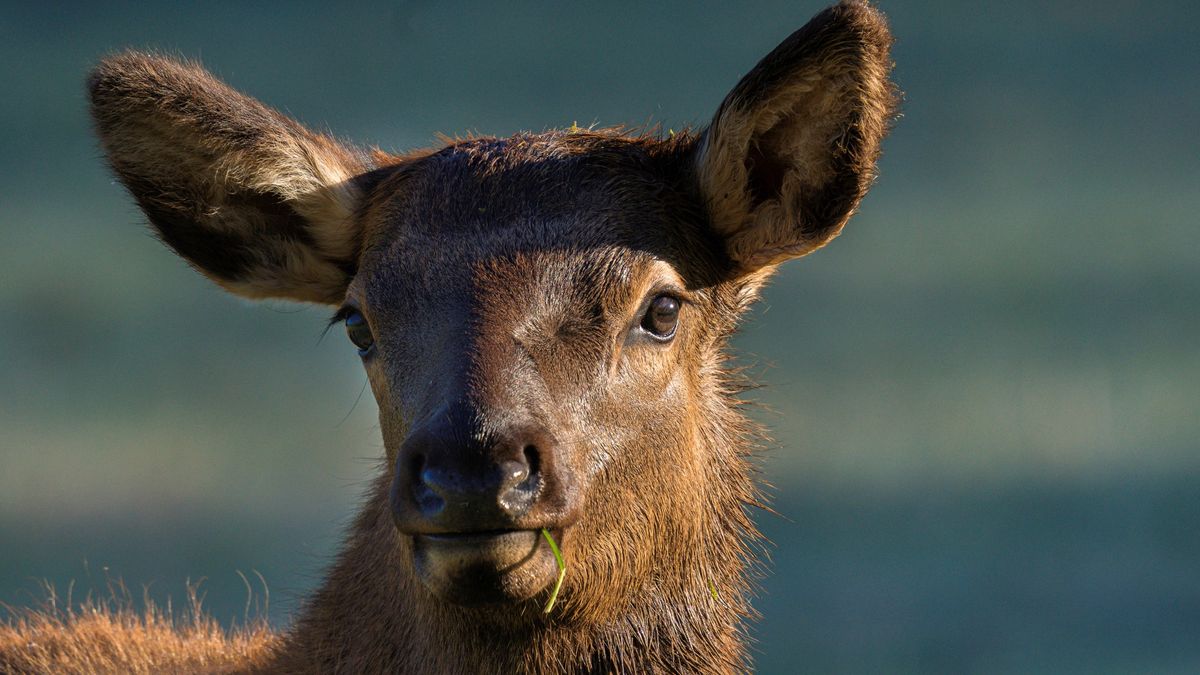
{"x": 504, "y": 473}
{"x": 452, "y": 479}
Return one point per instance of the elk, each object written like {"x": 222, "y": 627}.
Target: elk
{"x": 543, "y": 320}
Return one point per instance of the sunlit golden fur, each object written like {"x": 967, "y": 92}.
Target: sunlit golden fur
{"x": 110, "y": 638}
{"x": 509, "y": 274}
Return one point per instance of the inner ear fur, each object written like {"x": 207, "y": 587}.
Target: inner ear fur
{"x": 251, "y": 198}
{"x": 792, "y": 149}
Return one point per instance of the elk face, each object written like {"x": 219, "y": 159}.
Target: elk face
{"x": 540, "y": 317}
{"x": 532, "y": 316}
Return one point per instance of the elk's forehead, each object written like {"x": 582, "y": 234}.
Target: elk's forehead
{"x": 575, "y": 213}
{"x": 531, "y": 192}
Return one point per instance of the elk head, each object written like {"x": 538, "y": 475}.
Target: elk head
{"x": 541, "y": 317}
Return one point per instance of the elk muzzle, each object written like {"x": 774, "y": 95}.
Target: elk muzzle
{"x": 474, "y": 501}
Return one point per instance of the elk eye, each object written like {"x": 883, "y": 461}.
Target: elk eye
{"x": 359, "y": 332}
{"x": 662, "y": 316}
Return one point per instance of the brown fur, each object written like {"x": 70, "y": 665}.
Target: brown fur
{"x": 108, "y": 638}
{"x": 811, "y": 135}
{"x": 251, "y": 198}
{"x": 503, "y": 281}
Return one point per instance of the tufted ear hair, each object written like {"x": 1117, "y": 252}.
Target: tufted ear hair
{"x": 255, "y": 201}
{"x": 792, "y": 149}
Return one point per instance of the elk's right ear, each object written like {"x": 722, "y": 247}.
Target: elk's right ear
{"x": 792, "y": 149}
{"x": 258, "y": 203}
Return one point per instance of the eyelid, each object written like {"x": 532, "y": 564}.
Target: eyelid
{"x": 675, "y": 292}
{"x": 343, "y": 313}
{"x": 670, "y": 289}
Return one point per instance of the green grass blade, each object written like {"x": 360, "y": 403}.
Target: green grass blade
{"x": 562, "y": 569}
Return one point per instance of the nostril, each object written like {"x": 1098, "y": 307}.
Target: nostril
{"x": 513, "y": 473}
{"x": 516, "y": 471}
{"x": 427, "y": 489}
{"x": 518, "y": 490}
{"x": 414, "y": 465}
{"x": 533, "y": 460}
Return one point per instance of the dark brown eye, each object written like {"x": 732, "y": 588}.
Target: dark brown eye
{"x": 359, "y": 332}
{"x": 662, "y": 316}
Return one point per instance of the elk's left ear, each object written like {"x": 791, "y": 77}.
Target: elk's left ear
{"x": 792, "y": 148}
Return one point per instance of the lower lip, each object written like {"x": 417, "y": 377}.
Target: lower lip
{"x": 484, "y": 567}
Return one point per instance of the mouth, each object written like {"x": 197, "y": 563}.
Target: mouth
{"x": 477, "y": 568}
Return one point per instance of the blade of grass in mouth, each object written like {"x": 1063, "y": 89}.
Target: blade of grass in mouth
{"x": 562, "y": 569}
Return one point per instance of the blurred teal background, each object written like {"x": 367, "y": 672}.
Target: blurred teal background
{"x": 985, "y": 393}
